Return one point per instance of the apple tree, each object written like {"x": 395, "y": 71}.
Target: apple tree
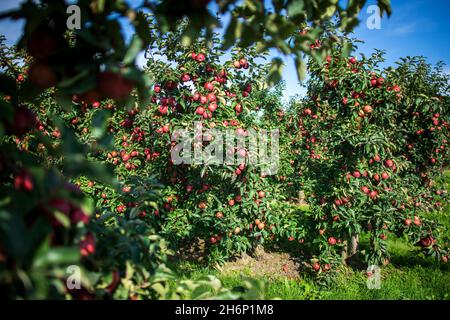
{"x": 371, "y": 145}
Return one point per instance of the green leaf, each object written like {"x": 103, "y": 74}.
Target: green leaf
{"x": 100, "y": 6}
{"x": 230, "y": 35}
{"x": 329, "y": 12}
{"x": 275, "y": 71}
{"x": 63, "y": 100}
{"x": 300, "y": 67}
{"x": 134, "y": 213}
{"x": 133, "y": 50}
{"x": 385, "y": 6}
{"x": 56, "y": 256}
{"x": 142, "y": 29}
{"x": 99, "y": 123}
{"x": 295, "y": 7}
{"x": 75, "y": 79}
{"x": 62, "y": 218}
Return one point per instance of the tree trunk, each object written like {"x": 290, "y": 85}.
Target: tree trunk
{"x": 354, "y": 245}
{"x": 301, "y": 197}
{"x": 344, "y": 253}
{"x": 350, "y": 248}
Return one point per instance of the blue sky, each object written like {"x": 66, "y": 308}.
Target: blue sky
{"x": 416, "y": 27}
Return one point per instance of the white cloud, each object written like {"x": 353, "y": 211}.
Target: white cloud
{"x": 447, "y": 70}
{"x": 141, "y": 61}
{"x": 405, "y": 29}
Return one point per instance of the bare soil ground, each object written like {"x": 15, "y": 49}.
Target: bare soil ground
{"x": 269, "y": 265}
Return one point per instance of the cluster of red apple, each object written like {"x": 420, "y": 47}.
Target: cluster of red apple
{"x": 241, "y": 63}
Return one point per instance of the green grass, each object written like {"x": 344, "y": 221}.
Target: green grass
{"x": 407, "y": 283}
{"x": 422, "y": 281}
{"x": 281, "y": 288}
{"x": 409, "y": 276}
{"x": 285, "y": 289}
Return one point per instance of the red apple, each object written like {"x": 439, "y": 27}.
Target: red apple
{"x": 389, "y": 163}
{"x": 316, "y": 266}
{"x": 200, "y": 57}
{"x": 113, "y": 85}
{"x": 356, "y": 174}
{"x": 208, "y": 86}
{"x": 185, "y": 77}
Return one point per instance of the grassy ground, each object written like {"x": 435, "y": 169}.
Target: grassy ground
{"x": 410, "y": 275}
